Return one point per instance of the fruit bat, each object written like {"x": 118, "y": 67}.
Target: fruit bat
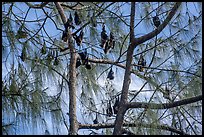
{"x": 79, "y": 38}
{"x": 111, "y": 74}
{"x": 104, "y": 37}
{"x": 69, "y": 23}
{"x": 56, "y": 61}
{"x": 112, "y": 41}
{"x": 50, "y": 55}
{"x": 84, "y": 57}
{"x": 88, "y": 66}
{"x": 167, "y": 93}
{"x": 21, "y": 34}
{"x": 65, "y": 36}
{"x": 109, "y": 44}
{"x": 78, "y": 62}
{"x": 156, "y": 21}
{"x": 43, "y": 49}
{"x": 23, "y": 54}
{"x": 95, "y": 120}
{"x": 109, "y": 110}
{"x": 116, "y": 106}
{"x": 86, "y": 62}
{"x": 93, "y": 21}
{"x": 77, "y": 19}
{"x": 107, "y": 47}
{"x": 142, "y": 63}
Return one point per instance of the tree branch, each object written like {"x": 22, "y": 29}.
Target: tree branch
{"x": 164, "y": 105}
{"x": 61, "y": 12}
{"x": 111, "y": 125}
{"x": 148, "y": 79}
{"x": 72, "y": 77}
{"x": 137, "y": 41}
{"x": 127, "y": 78}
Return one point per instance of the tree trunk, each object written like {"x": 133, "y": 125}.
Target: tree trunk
{"x": 127, "y": 78}
{"x": 72, "y": 77}
{"x": 72, "y": 93}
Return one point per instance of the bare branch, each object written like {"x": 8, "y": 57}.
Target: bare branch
{"x": 164, "y": 105}
{"x": 150, "y": 35}
{"x": 61, "y": 12}
{"x": 111, "y": 125}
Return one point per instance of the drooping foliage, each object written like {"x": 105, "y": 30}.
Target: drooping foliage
{"x": 36, "y": 57}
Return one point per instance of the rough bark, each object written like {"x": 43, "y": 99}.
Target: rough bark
{"x": 72, "y": 77}
{"x": 72, "y": 93}
{"x": 133, "y": 43}
{"x": 127, "y": 78}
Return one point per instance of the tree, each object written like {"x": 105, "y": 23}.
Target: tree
{"x": 56, "y": 57}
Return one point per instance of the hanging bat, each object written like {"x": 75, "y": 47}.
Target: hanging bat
{"x": 107, "y": 47}
{"x": 110, "y": 74}
{"x": 166, "y": 94}
{"x": 23, "y": 54}
{"x": 96, "y": 120}
{"x": 43, "y": 49}
{"x": 56, "y": 61}
{"x": 76, "y": 18}
{"x": 109, "y": 44}
{"x": 79, "y": 38}
{"x": 109, "y": 110}
{"x": 86, "y": 62}
{"x": 142, "y": 63}
{"x": 88, "y": 66}
{"x": 156, "y": 21}
{"x": 104, "y": 37}
{"x": 84, "y": 57}
{"x": 78, "y": 62}
{"x": 112, "y": 41}
{"x": 116, "y": 106}
{"x": 69, "y": 23}
{"x": 65, "y": 36}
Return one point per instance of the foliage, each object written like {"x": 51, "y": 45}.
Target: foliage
{"x": 35, "y": 71}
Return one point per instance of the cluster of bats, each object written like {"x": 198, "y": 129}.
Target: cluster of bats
{"x": 70, "y": 24}
{"x": 113, "y": 110}
{"x": 141, "y": 64}
{"x": 83, "y": 59}
{"x": 110, "y": 109}
{"x": 107, "y": 43}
